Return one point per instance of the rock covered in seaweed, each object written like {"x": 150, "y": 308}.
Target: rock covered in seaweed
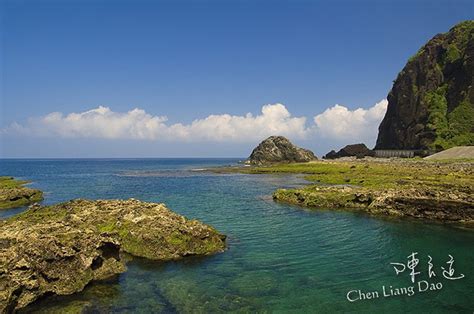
{"x": 451, "y": 206}
{"x": 13, "y": 193}
{"x": 278, "y": 149}
{"x": 60, "y": 249}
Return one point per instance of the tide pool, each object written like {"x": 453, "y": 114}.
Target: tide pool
{"x": 280, "y": 258}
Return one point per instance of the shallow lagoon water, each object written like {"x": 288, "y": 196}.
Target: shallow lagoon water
{"x": 280, "y": 258}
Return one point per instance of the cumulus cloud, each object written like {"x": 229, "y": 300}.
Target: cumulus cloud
{"x": 102, "y": 122}
{"x": 341, "y": 123}
{"x": 336, "y": 123}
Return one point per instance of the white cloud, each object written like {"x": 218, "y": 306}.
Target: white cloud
{"x": 337, "y": 123}
{"x": 274, "y": 119}
{"x": 102, "y": 122}
{"x": 340, "y": 123}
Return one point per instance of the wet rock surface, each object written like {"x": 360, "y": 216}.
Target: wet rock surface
{"x": 13, "y": 193}
{"x": 418, "y": 188}
{"x": 453, "y": 206}
{"x": 58, "y": 250}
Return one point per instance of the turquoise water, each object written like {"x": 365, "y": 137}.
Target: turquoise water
{"x": 280, "y": 258}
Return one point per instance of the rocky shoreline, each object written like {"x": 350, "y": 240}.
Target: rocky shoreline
{"x": 440, "y": 191}
{"x": 453, "y": 206}
{"x": 59, "y": 249}
{"x": 13, "y": 193}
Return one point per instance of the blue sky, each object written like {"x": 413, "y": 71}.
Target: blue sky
{"x": 188, "y": 60}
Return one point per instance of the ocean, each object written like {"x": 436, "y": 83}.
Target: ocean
{"x": 280, "y": 258}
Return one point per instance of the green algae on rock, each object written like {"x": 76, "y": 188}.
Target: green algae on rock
{"x": 416, "y": 188}
{"x": 59, "y": 249}
{"x": 415, "y": 203}
{"x": 14, "y": 194}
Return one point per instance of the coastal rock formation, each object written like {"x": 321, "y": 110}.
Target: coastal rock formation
{"x": 455, "y": 205}
{"x": 431, "y": 104}
{"x": 442, "y": 191}
{"x": 357, "y": 150}
{"x": 14, "y": 194}
{"x": 59, "y": 249}
{"x": 448, "y": 206}
{"x": 277, "y": 149}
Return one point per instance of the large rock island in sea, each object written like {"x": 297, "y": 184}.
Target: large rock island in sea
{"x": 60, "y": 249}
{"x": 431, "y": 104}
{"x": 278, "y": 149}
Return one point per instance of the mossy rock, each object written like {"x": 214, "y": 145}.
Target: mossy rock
{"x": 13, "y": 193}
{"x": 416, "y": 188}
{"x": 60, "y": 249}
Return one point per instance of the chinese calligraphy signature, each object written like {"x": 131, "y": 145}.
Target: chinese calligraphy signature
{"x": 413, "y": 261}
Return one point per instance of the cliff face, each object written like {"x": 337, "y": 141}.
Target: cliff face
{"x": 279, "y": 149}
{"x": 431, "y": 104}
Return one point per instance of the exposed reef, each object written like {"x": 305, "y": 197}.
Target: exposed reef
{"x": 417, "y": 188}
{"x": 59, "y": 249}
{"x": 452, "y": 206}
{"x": 13, "y": 193}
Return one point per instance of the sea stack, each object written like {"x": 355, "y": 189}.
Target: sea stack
{"x": 278, "y": 149}
{"x": 431, "y": 104}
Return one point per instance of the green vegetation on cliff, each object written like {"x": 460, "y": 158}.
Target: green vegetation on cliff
{"x": 453, "y": 128}
{"x": 437, "y": 118}
{"x": 431, "y": 104}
